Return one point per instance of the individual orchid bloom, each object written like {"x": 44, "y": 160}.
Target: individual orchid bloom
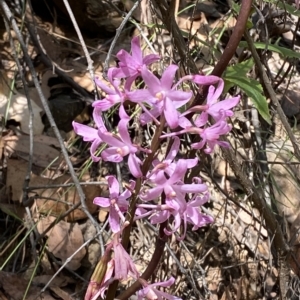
{"x": 121, "y": 146}
{"x": 124, "y": 265}
{"x": 210, "y": 136}
{"x": 130, "y": 65}
{"x": 173, "y": 185}
{"x": 150, "y": 291}
{"x": 117, "y": 203}
{"x": 161, "y": 95}
{"x": 218, "y": 110}
{"x": 90, "y": 134}
{"x": 181, "y": 211}
{"x": 114, "y": 95}
{"x": 166, "y": 165}
{"x": 193, "y": 214}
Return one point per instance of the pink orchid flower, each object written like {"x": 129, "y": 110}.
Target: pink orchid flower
{"x": 113, "y": 95}
{"x": 176, "y": 206}
{"x": 209, "y": 136}
{"x": 90, "y": 134}
{"x": 124, "y": 265}
{"x": 161, "y": 95}
{"x": 173, "y": 184}
{"x": 166, "y": 165}
{"x": 121, "y": 146}
{"x": 151, "y": 292}
{"x": 130, "y": 65}
{"x": 117, "y": 203}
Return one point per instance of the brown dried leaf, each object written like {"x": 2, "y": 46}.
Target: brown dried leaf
{"x": 63, "y": 240}
{"x": 59, "y": 292}
{"x": 43, "y": 155}
{"x": 15, "y": 286}
{"x": 16, "y": 172}
{"x": 59, "y": 280}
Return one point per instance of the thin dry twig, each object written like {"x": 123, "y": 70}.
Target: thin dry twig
{"x": 83, "y": 45}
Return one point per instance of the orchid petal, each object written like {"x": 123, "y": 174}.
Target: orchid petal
{"x": 101, "y": 201}
{"x": 93, "y": 149}
{"x": 104, "y": 87}
{"x": 134, "y": 166}
{"x": 114, "y": 188}
{"x": 97, "y": 116}
{"x": 151, "y": 80}
{"x": 110, "y": 139}
{"x": 171, "y": 114}
{"x": 88, "y": 133}
{"x": 136, "y": 50}
{"x": 150, "y": 58}
{"x": 114, "y": 220}
{"x": 174, "y": 150}
{"x": 167, "y": 77}
{"x": 152, "y": 194}
{"x": 110, "y": 154}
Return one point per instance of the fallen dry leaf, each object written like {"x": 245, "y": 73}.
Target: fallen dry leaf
{"x": 60, "y": 293}
{"x": 62, "y": 199}
{"x": 16, "y": 172}
{"x": 15, "y": 286}
{"x": 63, "y": 240}
{"x": 60, "y": 280}
{"x": 43, "y": 155}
